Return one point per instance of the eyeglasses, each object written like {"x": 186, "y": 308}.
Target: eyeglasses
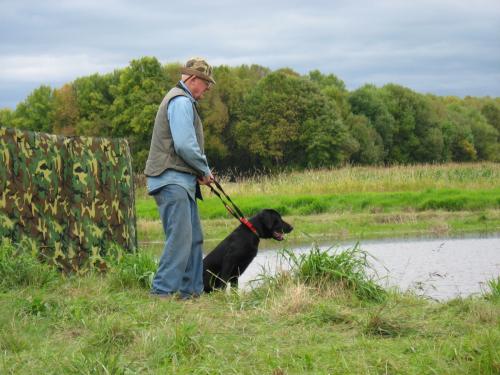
{"x": 208, "y": 83}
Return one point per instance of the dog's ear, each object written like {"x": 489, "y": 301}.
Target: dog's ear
{"x": 270, "y": 219}
{"x": 267, "y": 219}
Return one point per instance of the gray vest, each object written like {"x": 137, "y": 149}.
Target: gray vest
{"x": 162, "y": 154}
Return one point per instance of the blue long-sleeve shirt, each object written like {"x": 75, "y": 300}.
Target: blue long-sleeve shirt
{"x": 181, "y": 118}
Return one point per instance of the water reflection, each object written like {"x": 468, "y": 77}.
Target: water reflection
{"x": 437, "y": 268}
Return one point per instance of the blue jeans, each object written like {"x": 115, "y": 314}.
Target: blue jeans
{"x": 180, "y": 269}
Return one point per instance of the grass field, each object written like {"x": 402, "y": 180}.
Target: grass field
{"x": 356, "y": 202}
{"x": 325, "y": 317}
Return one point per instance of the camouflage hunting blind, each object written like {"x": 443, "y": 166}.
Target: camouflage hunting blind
{"x": 68, "y": 199}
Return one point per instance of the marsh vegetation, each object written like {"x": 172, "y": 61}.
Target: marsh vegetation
{"x": 355, "y": 202}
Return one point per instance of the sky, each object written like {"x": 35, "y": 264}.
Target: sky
{"x": 443, "y": 47}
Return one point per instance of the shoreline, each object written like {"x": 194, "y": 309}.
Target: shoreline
{"x": 351, "y": 227}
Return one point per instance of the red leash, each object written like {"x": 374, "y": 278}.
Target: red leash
{"x": 238, "y": 214}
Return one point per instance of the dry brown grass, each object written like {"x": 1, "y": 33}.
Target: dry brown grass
{"x": 369, "y": 179}
{"x": 361, "y": 179}
{"x": 296, "y": 298}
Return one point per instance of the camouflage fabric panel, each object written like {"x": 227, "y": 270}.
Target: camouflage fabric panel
{"x": 69, "y": 199}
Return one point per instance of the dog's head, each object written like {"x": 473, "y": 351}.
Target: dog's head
{"x": 271, "y": 224}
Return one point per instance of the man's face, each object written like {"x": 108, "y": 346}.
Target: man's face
{"x": 198, "y": 86}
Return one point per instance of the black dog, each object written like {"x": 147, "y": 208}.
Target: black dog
{"x": 233, "y": 255}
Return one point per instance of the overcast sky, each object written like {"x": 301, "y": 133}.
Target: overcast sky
{"x": 445, "y": 47}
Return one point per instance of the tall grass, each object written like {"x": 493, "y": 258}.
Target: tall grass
{"x": 348, "y": 269}
{"x": 494, "y": 289}
{"x": 450, "y": 187}
{"x": 19, "y": 268}
{"x": 361, "y": 179}
{"x": 133, "y": 270}
{"x": 355, "y": 202}
{"x": 374, "y": 179}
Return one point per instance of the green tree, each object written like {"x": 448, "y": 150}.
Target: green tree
{"x": 417, "y": 137}
{"x": 403, "y": 137}
{"x": 491, "y": 111}
{"x": 215, "y": 118}
{"x": 222, "y": 109}
{"x": 94, "y": 100}
{"x": 458, "y": 136}
{"x": 326, "y": 142}
{"x": 370, "y": 148}
{"x": 485, "y": 138}
{"x": 369, "y": 101}
{"x": 172, "y": 71}
{"x": 137, "y": 95}
{"x": 6, "y": 117}
{"x": 255, "y": 118}
{"x": 35, "y": 113}
{"x": 283, "y": 115}
{"x": 334, "y": 89}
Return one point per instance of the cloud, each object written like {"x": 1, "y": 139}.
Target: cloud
{"x": 51, "y": 67}
{"x": 441, "y": 46}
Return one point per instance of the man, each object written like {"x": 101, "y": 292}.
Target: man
{"x": 175, "y": 167}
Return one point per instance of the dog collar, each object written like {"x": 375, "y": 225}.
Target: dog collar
{"x": 249, "y": 225}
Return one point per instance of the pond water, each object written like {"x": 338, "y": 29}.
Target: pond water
{"x": 440, "y": 269}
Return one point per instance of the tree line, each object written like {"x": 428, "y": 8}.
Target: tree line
{"x": 258, "y": 119}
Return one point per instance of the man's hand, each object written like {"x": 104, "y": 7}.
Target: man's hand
{"x": 206, "y": 180}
